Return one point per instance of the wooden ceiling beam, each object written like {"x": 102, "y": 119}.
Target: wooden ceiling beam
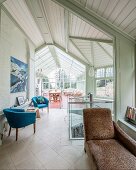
{"x": 54, "y": 55}
{"x": 81, "y": 52}
{"x": 71, "y": 54}
{"x": 93, "y": 19}
{"x": 105, "y": 50}
{"x": 91, "y": 39}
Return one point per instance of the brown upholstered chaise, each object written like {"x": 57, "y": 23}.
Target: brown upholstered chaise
{"x": 106, "y": 143}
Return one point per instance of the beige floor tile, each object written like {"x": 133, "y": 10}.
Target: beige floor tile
{"x": 6, "y": 162}
{"x": 50, "y": 140}
{"x": 37, "y": 146}
{"x": 70, "y": 154}
{"x": 15, "y": 147}
{"x": 83, "y": 163}
{"x": 27, "y": 141}
{"x": 57, "y": 162}
{"x": 21, "y": 155}
{"x": 7, "y": 140}
{"x": 31, "y": 163}
{"x": 57, "y": 146}
{"x": 77, "y": 142}
{"x": 49, "y": 148}
{"x": 46, "y": 155}
{"x": 3, "y": 151}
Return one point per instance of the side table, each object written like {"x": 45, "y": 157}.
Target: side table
{"x": 34, "y": 109}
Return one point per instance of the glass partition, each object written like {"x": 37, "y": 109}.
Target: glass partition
{"x": 75, "y": 110}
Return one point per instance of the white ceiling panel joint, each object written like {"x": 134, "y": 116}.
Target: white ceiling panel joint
{"x": 43, "y": 8}
{"x": 81, "y": 52}
{"x": 105, "y": 50}
{"x": 66, "y": 27}
{"x": 91, "y": 39}
{"x": 71, "y": 54}
{"x": 54, "y": 55}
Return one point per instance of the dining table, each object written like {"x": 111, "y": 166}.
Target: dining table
{"x": 55, "y": 95}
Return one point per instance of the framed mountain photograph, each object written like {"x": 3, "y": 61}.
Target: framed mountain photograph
{"x": 18, "y": 75}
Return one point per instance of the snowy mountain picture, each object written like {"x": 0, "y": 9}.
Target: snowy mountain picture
{"x": 18, "y": 76}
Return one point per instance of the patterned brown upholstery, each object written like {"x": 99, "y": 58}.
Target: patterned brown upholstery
{"x": 112, "y": 151}
{"x": 94, "y": 126}
{"x": 110, "y": 154}
{"x": 126, "y": 140}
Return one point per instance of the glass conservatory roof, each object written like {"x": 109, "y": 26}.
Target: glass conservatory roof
{"x": 49, "y": 59}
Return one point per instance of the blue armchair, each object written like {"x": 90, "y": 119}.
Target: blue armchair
{"x": 18, "y": 118}
{"x": 40, "y": 102}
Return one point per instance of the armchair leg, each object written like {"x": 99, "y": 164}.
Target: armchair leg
{"x": 1, "y": 136}
{"x": 85, "y": 150}
{"x": 9, "y": 131}
{"x": 48, "y": 109}
{"x": 16, "y": 134}
{"x": 34, "y": 127}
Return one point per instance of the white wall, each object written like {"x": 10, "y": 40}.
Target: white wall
{"x": 31, "y": 75}
{"x": 13, "y": 43}
{"x": 125, "y": 76}
{"x": 89, "y": 82}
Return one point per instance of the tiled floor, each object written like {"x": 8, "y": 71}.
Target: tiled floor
{"x": 49, "y": 148}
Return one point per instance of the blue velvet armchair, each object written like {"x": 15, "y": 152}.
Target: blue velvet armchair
{"x": 18, "y": 118}
{"x": 41, "y": 104}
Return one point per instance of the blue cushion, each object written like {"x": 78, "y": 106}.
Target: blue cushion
{"x": 40, "y": 100}
{"x": 42, "y": 105}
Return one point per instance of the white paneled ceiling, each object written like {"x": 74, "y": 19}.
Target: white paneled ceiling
{"x": 97, "y": 54}
{"x": 22, "y": 15}
{"x": 80, "y": 28}
{"x": 75, "y": 51}
{"x": 55, "y": 15}
{"x": 101, "y": 55}
{"x": 46, "y": 22}
{"x": 121, "y": 13}
{"x": 85, "y": 48}
{"x": 39, "y": 12}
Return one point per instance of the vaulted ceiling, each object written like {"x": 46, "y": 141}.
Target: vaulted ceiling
{"x": 45, "y": 62}
{"x": 49, "y": 22}
{"x": 120, "y": 13}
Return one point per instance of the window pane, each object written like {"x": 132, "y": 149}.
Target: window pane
{"x": 104, "y": 88}
{"x": 100, "y": 88}
{"x": 109, "y": 88}
{"x": 46, "y": 86}
{"x": 109, "y": 72}
{"x": 100, "y": 72}
{"x": 66, "y": 85}
{"x": 73, "y": 85}
{"x": 52, "y": 85}
{"x": 81, "y": 85}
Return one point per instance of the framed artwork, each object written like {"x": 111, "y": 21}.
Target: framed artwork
{"x": 20, "y": 100}
{"x": 18, "y": 75}
{"x": 131, "y": 115}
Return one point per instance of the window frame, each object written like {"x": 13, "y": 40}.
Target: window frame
{"x": 103, "y": 78}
